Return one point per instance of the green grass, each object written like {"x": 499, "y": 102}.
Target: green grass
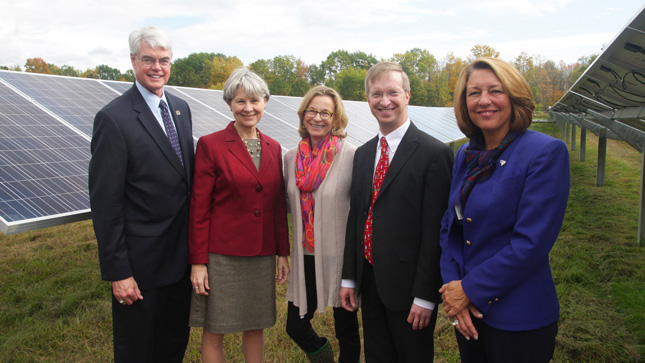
{"x": 55, "y": 308}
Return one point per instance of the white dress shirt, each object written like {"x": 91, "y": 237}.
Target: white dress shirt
{"x": 393, "y": 141}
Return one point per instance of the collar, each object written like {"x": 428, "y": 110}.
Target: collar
{"x": 151, "y": 99}
{"x": 394, "y": 138}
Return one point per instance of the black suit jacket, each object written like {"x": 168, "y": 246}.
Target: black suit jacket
{"x": 140, "y": 192}
{"x": 406, "y": 219}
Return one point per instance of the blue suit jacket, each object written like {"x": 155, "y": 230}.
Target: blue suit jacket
{"x": 510, "y": 224}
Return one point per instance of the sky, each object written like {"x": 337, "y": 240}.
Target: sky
{"x": 85, "y": 33}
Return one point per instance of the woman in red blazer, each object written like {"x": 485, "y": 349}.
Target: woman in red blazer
{"x": 238, "y": 224}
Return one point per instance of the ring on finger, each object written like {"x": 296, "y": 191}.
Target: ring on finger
{"x": 121, "y": 302}
{"x": 455, "y": 323}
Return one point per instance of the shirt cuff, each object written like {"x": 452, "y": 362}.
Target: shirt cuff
{"x": 348, "y": 283}
{"x": 424, "y": 303}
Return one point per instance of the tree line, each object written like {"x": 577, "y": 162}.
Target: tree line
{"x": 432, "y": 81}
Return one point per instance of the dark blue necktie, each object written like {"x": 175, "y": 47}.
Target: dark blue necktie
{"x": 170, "y": 130}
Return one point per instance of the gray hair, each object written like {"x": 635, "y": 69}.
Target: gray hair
{"x": 251, "y": 83}
{"x": 155, "y": 37}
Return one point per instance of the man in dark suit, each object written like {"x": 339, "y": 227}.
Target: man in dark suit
{"x": 400, "y": 185}
{"x": 140, "y": 179}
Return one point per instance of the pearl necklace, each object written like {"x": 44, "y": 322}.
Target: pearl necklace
{"x": 254, "y": 148}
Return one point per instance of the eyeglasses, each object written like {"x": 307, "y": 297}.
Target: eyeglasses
{"x": 389, "y": 94}
{"x": 324, "y": 115}
{"x": 149, "y": 62}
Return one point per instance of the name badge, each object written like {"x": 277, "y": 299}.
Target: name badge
{"x": 458, "y": 212}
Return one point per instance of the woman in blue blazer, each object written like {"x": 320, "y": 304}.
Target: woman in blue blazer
{"x": 507, "y": 200}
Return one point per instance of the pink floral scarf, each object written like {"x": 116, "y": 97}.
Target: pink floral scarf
{"x": 311, "y": 168}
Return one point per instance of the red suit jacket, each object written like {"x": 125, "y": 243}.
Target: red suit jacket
{"x": 236, "y": 210}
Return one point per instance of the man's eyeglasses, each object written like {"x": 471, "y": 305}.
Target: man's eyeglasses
{"x": 389, "y": 94}
{"x": 325, "y": 115}
{"x": 149, "y": 62}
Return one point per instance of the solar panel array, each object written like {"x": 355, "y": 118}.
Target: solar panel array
{"x": 46, "y": 124}
{"x": 614, "y": 84}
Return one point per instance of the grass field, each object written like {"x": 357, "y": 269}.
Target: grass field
{"x": 55, "y": 308}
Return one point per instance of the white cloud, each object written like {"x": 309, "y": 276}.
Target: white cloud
{"x": 85, "y": 34}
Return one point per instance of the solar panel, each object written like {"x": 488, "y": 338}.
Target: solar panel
{"x": 43, "y": 167}
{"x": 75, "y": 102}
{"x": 47, "y": 123}
{"x": 616, "y": 79}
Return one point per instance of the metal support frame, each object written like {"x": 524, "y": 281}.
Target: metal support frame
{"x": 607, "y": 127}
{"x": 641, "y": 205}
{"x": 602, "y": 157}
{"x": 573, "y": 137}
{"x": 634, "y": 137}
{"x": 583, "y": 144}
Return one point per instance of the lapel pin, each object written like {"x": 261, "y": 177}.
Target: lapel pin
{"x": 177, "y": 113}
{"x": 502, "y": 162}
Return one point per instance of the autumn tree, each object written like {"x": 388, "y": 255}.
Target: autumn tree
{"x": 580, "y": 67}
{"x": 12, "y": 68}
{"x": 66, "y": 70}
{"x": 128, "y": 76}
{"x": 36, "y": 65}
{"x": 447, "y": 83}
{"x": 263, "y": 69}
{"x": 106, "y": 72}
{"x": 482, "y": 50}
{"x": 221, "y": 69}
{"x": 339, "y": 60}
{"x": 524, "y": 63}
{"x": 284, "y": 74}
{"x": 421, "y": 67}
{"x": 193, "y": 70}
{"x": 90, "y": 73}
{"x": 300, "y": 85}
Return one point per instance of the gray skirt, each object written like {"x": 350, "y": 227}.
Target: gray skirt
{"x": 241, "y": 296}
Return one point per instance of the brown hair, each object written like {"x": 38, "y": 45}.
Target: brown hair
{"x": 515, "y": 86}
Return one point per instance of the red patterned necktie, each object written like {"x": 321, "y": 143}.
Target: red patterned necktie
{"x": 379, "y": 175}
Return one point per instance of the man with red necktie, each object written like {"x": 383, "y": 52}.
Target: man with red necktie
{"x": 400, "y": 186}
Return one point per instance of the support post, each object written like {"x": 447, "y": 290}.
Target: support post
{"x": 641, "y": 215}
{"x": 583, "y": 143}
{"x": 602, "y": 157}
{"x": 573, "y": 137}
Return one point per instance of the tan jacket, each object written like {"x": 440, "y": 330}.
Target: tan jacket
{"x": 330, "y": 221}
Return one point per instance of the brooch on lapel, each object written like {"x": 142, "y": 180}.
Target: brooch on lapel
{"x": 502, "y": 162}
{"x": 177, "y": 113}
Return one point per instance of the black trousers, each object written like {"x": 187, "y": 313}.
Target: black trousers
{"x": 494, "y": 345}
{"x": 154, "y": 329}
{"x": 388, "y": 336}
{"x": 345, "y": 323}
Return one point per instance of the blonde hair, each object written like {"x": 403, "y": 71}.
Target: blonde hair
{"x": 383, "y": 67}
{"x": 340, "y": 117}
